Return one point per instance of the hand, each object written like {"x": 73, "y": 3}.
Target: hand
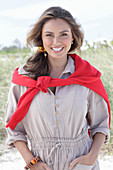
{"x": 84, "y": 160}
{"x": 40, "y": 166}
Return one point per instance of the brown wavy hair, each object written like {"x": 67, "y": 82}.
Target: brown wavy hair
{"x": 37, "y": 65}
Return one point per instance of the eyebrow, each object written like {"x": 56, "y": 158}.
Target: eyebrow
{"x": 64, "y": 31}
{"x": 53, "y": 33}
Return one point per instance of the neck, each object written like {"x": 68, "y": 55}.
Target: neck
{"x": 57, "y": 66}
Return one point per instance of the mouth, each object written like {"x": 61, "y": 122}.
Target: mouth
{"x": 57, "y": 49}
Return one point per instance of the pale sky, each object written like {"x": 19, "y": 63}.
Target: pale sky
{"x": 16, "y": 16}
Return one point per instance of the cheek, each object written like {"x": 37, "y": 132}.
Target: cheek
{"x": 67, "y": 42}
{"x": 47, "y": 42}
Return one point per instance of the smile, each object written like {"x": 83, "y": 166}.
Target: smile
{"x": 57, "y": 49}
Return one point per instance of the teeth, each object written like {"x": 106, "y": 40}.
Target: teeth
{"x": 56, "y": 49}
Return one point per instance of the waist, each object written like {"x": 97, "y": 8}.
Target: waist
{"x": 48, "y": 142}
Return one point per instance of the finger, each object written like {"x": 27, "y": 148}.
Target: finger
{"x": 47, "y": 167}
{"x": 73, "y": 163}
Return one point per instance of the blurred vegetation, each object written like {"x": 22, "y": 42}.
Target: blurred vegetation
{"x": 100, "y": 55}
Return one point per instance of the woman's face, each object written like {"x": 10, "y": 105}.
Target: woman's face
{"x": 57, "y": 38}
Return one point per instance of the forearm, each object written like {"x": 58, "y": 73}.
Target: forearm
{"x": 98, "y": 141}
{"x": 27, "y": 155}
{"x": 91, "y": 157}
{"x": 24, "y": 151}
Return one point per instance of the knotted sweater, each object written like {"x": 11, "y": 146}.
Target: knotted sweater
{"x": 85, "y": 74}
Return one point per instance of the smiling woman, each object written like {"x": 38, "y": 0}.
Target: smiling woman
{"x": 55, "y": 98}
{"x": 44, "y": 33}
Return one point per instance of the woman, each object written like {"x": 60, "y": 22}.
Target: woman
{"x": 55, "y": 98}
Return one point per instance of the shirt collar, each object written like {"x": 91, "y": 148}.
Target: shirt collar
{"x": 70, "y": 67}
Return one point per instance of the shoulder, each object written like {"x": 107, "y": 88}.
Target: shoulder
{"x": 22, "y": 71}
{"x": 16, "y": 88}
{"x": 16, "y": 91}
{"x": 84, "y": 67}
{"x": 94, "y": 97}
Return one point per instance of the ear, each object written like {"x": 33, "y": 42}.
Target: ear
{"x": 72, "y": 39}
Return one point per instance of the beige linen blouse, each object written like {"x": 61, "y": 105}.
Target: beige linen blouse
{"x": 64, "y": 114}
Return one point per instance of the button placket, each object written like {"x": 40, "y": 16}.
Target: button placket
{"x": 56, "y": 110}
{"x": 56, "y": 121}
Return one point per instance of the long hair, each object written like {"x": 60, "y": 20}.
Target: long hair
{"x": 37, "y": 65}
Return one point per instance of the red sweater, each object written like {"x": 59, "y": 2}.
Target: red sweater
{"x": 85, "y": 75}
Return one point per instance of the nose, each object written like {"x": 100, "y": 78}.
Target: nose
{"x": 56, "y": 40}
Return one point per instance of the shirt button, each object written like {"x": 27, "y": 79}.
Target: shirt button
{"x": 56, "y": 113}
{"x": 56, "y": 105}
{"x": 56, "y": 121}
{"x": 56, "y": 97}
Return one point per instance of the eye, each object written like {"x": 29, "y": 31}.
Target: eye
{"x": 64, "y": 34}
{"x": 48, "y": 35}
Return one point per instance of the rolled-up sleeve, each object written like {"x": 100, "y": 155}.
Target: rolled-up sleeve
{"x": 98, "y": 115}
{"x": 19, "y": 132}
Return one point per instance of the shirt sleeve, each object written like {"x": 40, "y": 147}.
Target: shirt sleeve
{"x": 98, "y": 115}
{"x": 19, "y": 132}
